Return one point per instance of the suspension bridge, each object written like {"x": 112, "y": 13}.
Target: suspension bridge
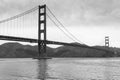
{"x": 10, "y": 24}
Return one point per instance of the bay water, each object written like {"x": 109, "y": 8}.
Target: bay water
{"x": 60, "y": 69}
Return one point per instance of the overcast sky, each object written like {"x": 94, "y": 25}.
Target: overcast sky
{"x": 89, "y": 20}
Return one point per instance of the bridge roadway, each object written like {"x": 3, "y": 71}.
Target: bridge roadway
{"x": 11, "y": 38}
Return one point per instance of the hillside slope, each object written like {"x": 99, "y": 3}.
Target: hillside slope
{"x": 17, "y": 50}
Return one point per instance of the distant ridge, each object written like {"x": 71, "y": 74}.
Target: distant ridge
{"x": 17, "y": 50}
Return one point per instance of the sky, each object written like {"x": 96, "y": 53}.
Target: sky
{"x": 88, "y": 20}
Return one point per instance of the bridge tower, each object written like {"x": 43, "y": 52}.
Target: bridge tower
{"x": 107, "y": 41}
{"x": 42, "y": 31}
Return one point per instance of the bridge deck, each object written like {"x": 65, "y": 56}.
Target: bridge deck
{"x": 11, "y": 38}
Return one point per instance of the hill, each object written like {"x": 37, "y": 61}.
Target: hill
{"x": 17, "y": 50}
{"x": 69, "y": 51}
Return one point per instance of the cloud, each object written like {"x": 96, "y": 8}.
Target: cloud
{"x": 87, "y": 12}
{"x": 71, "y": 12}
{"x": 12, "y": 7}
{"x": 103, "y": 11}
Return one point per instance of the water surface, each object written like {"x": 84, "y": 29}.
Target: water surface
{"x": 60, "y": 69}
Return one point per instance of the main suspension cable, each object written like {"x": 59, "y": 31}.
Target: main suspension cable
{"x": 19, "y": 15}
{"x": 60, "y": 28}
{"x": 64, "y": 27}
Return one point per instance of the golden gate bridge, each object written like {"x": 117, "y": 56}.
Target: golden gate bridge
{"x": 41, "y": 26}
